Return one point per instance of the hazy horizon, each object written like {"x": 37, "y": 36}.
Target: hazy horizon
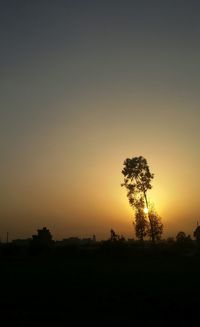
{"x": 85, "y": 85}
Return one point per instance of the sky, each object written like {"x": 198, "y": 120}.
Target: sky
{"x": 85, "y": 84}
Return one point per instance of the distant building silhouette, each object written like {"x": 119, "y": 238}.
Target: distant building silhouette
{"x": 77, "y": 241}
{"x": 43, "y": 238}
{"x": 69, "y": 241}
{"x": 22, "y": 242}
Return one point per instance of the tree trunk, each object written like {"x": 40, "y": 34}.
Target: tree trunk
{"x": 152, "y": 232}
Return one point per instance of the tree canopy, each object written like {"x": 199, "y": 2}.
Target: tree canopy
{"x": 137, "y": 180}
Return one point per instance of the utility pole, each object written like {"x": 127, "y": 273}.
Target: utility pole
{"x": 7, "y": 238}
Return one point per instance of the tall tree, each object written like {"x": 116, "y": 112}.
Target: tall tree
{"x": 137, "y": 180}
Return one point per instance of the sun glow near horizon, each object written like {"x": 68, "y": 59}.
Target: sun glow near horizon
{"x": 85, "y": 100}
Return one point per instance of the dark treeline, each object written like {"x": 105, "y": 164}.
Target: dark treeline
{"x": 43, "y": 244}
{"x": 116, "y": 282}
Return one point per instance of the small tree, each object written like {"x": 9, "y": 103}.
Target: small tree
{"x": 184, "y": 240}
{"x": 140, "y": 224}
{"x": 113, "y": 236}
{"x": 156, "y": 227}
{"x": 196, "y": 234}
{"x": 181, "y": 237}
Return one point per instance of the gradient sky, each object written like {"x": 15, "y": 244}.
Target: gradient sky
{"x": 84, "y": 85}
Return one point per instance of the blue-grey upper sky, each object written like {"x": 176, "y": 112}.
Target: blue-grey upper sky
{"x": 85, "y": 84}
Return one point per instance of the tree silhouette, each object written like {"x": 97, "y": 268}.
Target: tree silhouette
{"x": 181, "y": 237}
{"x": 141, "y": 224}
{"x": 184, "y": 240}
{"x": 113, "y": 236}
{"x": 156, "y": 229}
{"x": 196, "y": 234}
{"x": 137, "y": 180}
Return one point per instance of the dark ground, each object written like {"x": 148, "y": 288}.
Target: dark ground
{"x": 106, "y": 287}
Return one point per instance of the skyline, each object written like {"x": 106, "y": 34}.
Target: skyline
{"x": 86, "y": 85}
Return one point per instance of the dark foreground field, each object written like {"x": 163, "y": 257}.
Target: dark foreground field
{"x": 109, "y": 287}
